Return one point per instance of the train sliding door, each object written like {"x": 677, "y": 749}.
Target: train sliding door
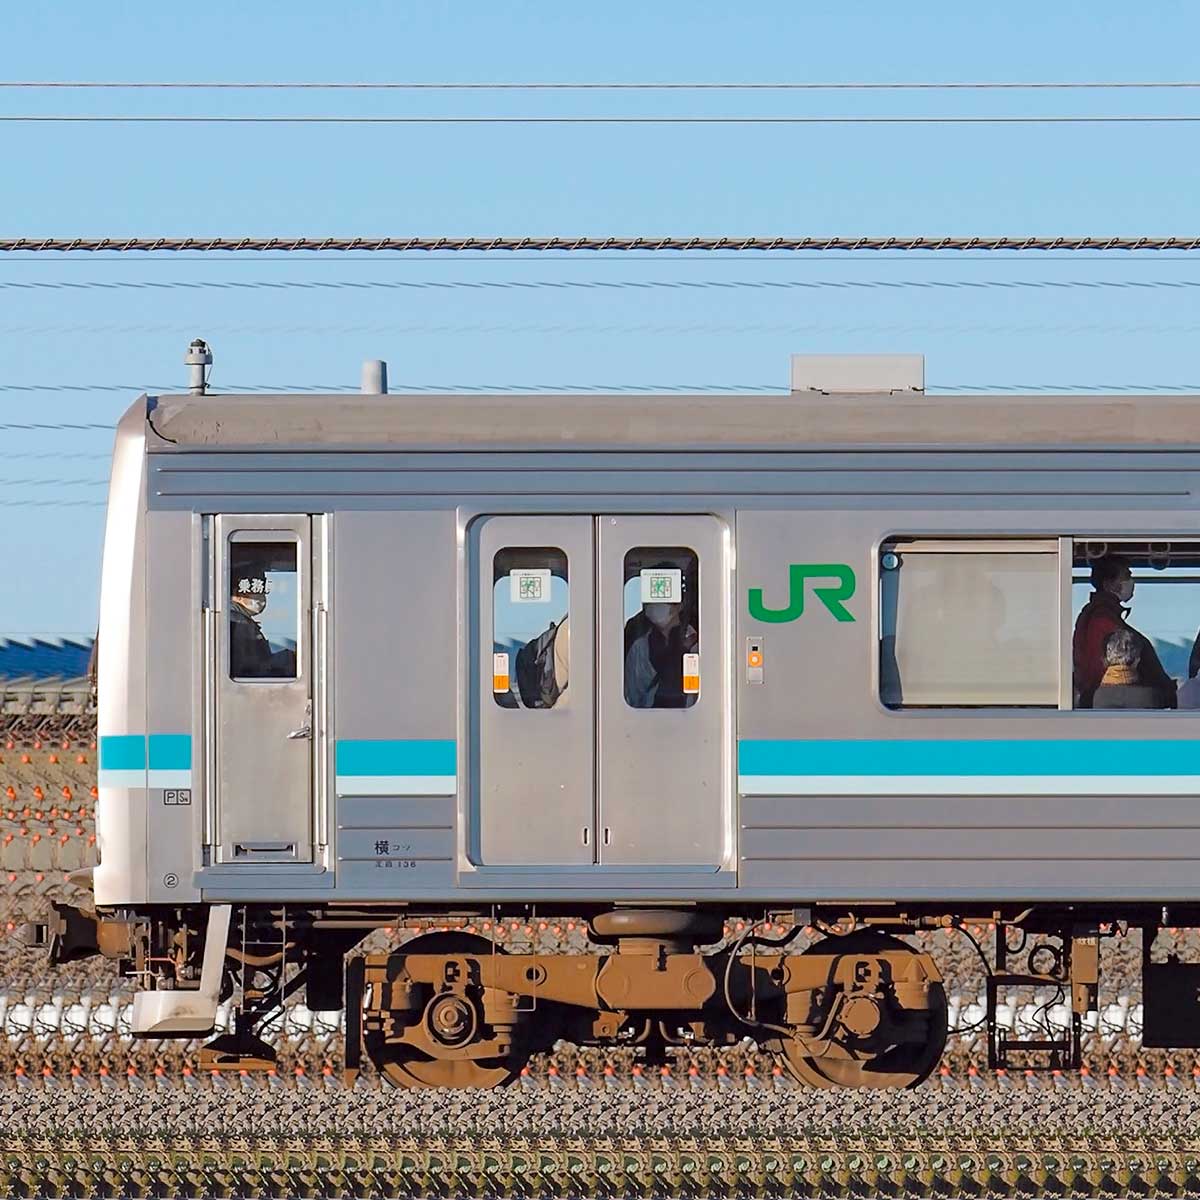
{"x": 602, "y": 691}
{"x": 664, "y": 690}
{"x": 259, "y": 625}
{"x": 535, "y": 706}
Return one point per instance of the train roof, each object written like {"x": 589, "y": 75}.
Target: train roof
{"x": 798, "y": 421}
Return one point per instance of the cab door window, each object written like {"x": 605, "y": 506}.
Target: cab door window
{"x": 662, "y": 627}
{"x": 264, "y": 610}
{"x": 531, "y": 639}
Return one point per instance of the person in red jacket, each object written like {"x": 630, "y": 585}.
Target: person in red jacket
{"x": 1102, "y": 615}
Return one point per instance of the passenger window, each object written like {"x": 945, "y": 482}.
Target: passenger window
{"x": 1135, "y": 609}
{"x": 531, "y": 639}
{"x": 969, "y": 624}
{"x": 264, "y": 610}
{"x": 662, "y": 627}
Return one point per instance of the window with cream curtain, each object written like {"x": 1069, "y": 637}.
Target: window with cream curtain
{"x": 969, "y": 623}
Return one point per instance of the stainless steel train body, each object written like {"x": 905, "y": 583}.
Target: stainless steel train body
{"x": 393, "y": 772}
{"x": 398, "y": 506}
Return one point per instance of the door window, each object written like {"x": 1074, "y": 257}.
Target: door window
{"x": 264, "y": 610}
{"x": 531, "y": 627}
{"x": 662, "y": 627}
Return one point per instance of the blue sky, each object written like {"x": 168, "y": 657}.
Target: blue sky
{"x": 177, "y": 180}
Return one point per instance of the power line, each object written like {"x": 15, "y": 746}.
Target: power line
{"x": 684, "y": 285}
{"x": 242, "y": 119}
{"x": 57, "y": 455}
{"x": 56, "y": 426}
{"x": 666, "y": 259}
{"x": 134, "y": 389}
{"x": 719, "y": 389}
{"x": 599, "y": 86}
{"x": 52, "y": 503}
{"x": 588, "y": 244}
{"x": 614, "y": 329}
{"x": 53, "y": 483}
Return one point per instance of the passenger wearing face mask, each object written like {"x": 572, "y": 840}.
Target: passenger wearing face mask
{"x": 250, "y": 654}
{"x": 1103, "y": 615}
{"x": 656, "y": 639}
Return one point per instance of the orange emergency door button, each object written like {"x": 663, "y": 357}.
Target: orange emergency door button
{"x": 500, "y": 677}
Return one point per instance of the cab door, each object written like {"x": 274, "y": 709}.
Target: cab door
{"x": 534, "y": 703}
{"x": 665, "y": 690}
{"x": 261, "y": 672}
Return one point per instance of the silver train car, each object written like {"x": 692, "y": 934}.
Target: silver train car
{"x": 812, "y": 662}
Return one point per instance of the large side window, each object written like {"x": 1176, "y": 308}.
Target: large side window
{"x": 1136, "y": 608}
{"x": 531, "y": 638}
{"x": 969, "y": 623}
{"x": 662, "y": 627}
{"x": 264, "y": 610}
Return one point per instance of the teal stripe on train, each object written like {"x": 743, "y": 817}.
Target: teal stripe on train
{"x": 397, "y": 767}
{"x": 920, "y": 766}
{"x": 135, "y": 760}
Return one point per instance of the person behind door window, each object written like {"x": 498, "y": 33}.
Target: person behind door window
{"x": 250, "y": 654}
{"x": 1103, "y": 615}
{"x": 1119, "y": 686}
{"x": 1193, "y": 673}
{"x": 1189, "y": 692}
{"x": 656, "y": 639}
{"x": 543, "y": 666}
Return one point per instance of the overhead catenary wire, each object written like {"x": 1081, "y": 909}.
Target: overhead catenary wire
{"x": 681, "y": 259}
{"x": 57, "y": 455}
{"x": 62, "y": 482}
{"x": 615, "y": 329}
{"x": 56, "y": 426}
{"x": 590, "y": 119}
{"x": 591, "y": 285}
{"x": 52, "y": 503}
{"x": 583, "y": 244}
{"x": 719, "y": 389}
{"x": 604, "y": 86}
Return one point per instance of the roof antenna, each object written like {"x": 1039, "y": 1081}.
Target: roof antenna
{"x": 197, "y": 358}
{"x": 374, "y": 377}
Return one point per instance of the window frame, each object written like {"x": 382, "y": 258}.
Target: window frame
{"x": 264, "y": 537}
{"x": 692, "y": 699}
{"x": 563, "y": 699}
{"x": 1066, "y": 548}
{"x": 951, "y": 543}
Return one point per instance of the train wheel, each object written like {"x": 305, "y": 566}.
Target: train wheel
{"x": 410, "y": 1067}
{"x": 862, "y": 1063}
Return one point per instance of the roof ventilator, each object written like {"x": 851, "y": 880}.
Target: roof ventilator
{"x": 197, "y": 360}
{"x": 374, "y": 377}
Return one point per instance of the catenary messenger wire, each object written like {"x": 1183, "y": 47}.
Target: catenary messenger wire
{"x": 603, "y": 86}
{"x": 646, "y": 244}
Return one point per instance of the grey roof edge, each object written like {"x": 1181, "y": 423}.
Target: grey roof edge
{"x": 658, "y": 422}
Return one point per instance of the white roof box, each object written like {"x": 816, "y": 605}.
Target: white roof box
{"x": 858, "y": 373}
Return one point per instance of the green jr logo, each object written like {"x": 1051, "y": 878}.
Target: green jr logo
{"x": 832, "y": 596}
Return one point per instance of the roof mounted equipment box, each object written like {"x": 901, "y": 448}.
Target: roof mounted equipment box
{"x": 858, "y": 373}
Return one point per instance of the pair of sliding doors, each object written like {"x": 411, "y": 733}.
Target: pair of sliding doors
{"x": 601, "y": 698}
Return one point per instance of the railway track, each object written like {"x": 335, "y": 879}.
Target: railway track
{"x": 310, "y": 1143}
